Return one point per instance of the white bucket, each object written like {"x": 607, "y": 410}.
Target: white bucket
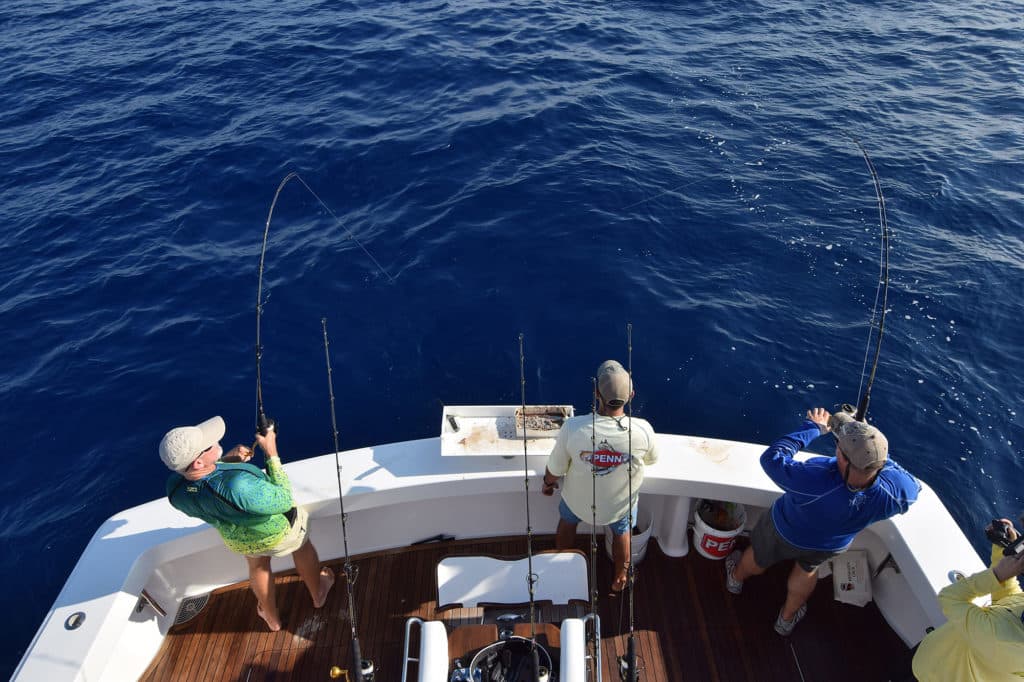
{"x": 645, "y": 524}
{"x": 711, "y": 542}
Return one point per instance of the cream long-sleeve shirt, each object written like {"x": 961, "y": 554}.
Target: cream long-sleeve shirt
{"x": 610, "y": 452}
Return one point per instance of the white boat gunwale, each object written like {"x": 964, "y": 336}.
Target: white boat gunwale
{"x": 409, "y": 489}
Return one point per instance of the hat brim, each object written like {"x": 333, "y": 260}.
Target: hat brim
{"x": 212, "y": 431}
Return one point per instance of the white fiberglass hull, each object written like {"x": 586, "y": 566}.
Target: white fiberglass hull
{"x": 400, "y": 493}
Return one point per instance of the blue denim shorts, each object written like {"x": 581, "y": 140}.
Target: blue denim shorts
{"x": 620, "y": 527}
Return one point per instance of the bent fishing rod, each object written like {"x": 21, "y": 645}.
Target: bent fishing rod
{"x": 864, "y": 399}
{"x": 263, "y": 423}
{"x": 358, "y": 665}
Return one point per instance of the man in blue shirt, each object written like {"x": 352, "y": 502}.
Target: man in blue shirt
{"x": 825, "y": 503}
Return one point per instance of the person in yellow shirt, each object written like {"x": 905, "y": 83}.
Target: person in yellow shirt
{"x": 978, "y": 642}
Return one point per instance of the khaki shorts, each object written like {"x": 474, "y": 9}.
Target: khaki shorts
{"x": 293, "y": 539}
{"x": 770, "y": 548}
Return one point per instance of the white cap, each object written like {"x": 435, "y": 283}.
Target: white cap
{"x": 180, "y": 446}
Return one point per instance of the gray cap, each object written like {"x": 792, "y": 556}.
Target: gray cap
{"x": 180, "y": 446}
{"x": 613, "y": 382}
{"x": 864, "y": 445}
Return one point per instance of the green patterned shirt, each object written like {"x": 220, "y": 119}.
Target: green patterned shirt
{"x": 244, "y": 504}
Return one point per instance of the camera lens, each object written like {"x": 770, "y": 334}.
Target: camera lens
{"x": 998, "y": 533}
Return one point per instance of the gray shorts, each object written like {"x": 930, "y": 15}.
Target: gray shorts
{"x": 770, "y": 548}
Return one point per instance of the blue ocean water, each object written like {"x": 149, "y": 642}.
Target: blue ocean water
{"x": 552, "y": 169}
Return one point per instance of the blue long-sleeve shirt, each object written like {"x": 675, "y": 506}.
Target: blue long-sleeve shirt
{"x": 818, "y": 510}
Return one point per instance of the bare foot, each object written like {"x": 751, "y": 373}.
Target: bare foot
{"x": 274, "y": 625}
{"x": 326, "y": 583}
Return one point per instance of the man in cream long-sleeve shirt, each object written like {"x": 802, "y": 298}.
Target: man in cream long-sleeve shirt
{"x": 602, "y": 451}
{"x": 978, "y": 642}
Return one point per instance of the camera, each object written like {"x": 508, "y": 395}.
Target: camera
{"x": 998, "y": 533}
{"x": 1014, "y": 548}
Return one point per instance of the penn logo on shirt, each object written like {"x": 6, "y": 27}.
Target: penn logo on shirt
{"x": 605, "y": 460}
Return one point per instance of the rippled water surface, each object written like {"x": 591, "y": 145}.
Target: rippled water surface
{"x": 555, "y": 169}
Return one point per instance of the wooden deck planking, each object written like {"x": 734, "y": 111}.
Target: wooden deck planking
{"x": 687, "y": 627}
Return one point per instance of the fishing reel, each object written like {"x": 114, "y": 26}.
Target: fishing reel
{"x": 998, "y": 533}
{"x": 627, "y": 673}
{"x": 365, "y": 669}
{"x": 264, "y": 423}
{"x": 843, "y": 414}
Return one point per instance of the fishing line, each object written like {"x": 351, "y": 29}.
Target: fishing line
{"x": 351, "y": 573}
{"x": 531, "y": 578}
{"x": 882, "y": 291}
{"x": 262, "y": 422}
{"x": 663, "y": 193}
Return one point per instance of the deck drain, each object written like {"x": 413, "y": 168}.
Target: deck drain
{"x": 190, "y": 608}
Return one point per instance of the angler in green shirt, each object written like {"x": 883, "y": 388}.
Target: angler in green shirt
{"x": 252, "y": 510}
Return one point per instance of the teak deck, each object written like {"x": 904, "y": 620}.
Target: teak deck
{"x": 687, "y": 627}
